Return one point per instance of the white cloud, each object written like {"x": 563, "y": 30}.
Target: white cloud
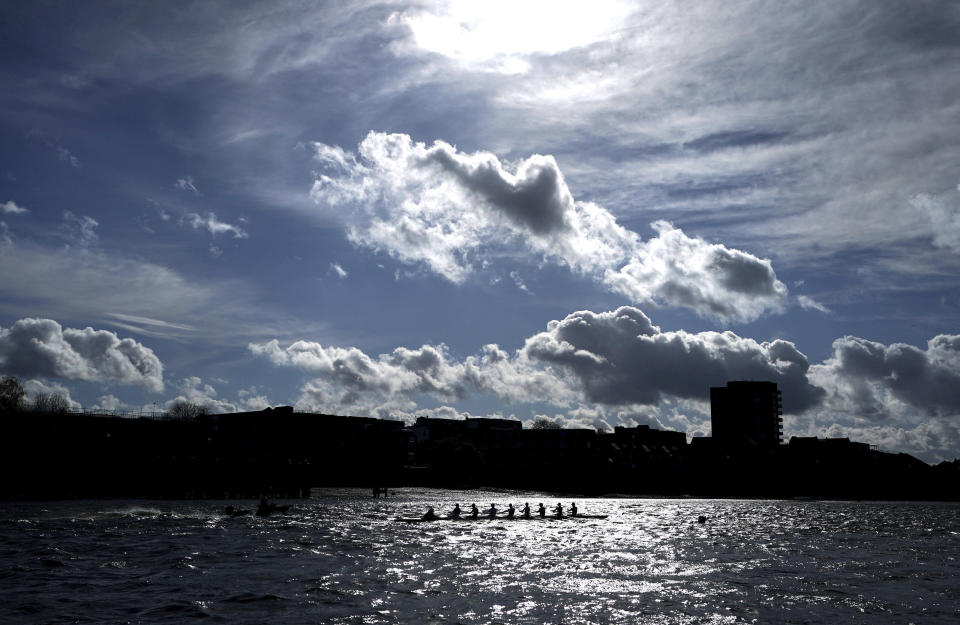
{"x": 706, "y": 113}
{"x": 616, "y": 358}
{"x": 85, "y": 283}
{"x": 148, "y": 326}
{"x": 616, "y": 367}
{"x": 108, "y": 403}
{"x": 186, "y": 184}
{"x": 252, "y": 399}
{"x": 195, "y": 391}
{"x": 338, "y": 270}
{"x": 943, "y": 213}
{"x": 11, "y": 208}
{"x": 808, "y": 303}
{"x": 869, "y": 381}
{"x": 65, "y": 155}
{"x": 448, "y": 210}
{"x": 34, "y": 387}
{"x": 41, "y": 347}
{"x": 214, "y": 226}
{"x": 931, "y": 440}
{"x": 80, "y": 230}
{"x": 498, "y": 34}
{"x": 620, "y": 357}
{"x": 518, "y": 280}
{"x": 403, "y": 372}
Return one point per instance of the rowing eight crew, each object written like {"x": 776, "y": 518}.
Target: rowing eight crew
{"x": 491, "y": 512}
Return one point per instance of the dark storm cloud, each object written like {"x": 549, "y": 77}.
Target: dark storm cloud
{"x": 620, "y": 358}
{"x": 41, "y": 347}
{"x": 864, "y": 374}
{"x": 536, "y": 197}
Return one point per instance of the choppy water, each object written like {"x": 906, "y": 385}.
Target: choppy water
{"x": 340, "y": 558}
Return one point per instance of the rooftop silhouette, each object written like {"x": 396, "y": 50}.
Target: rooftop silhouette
{"x": 283, "y": 453}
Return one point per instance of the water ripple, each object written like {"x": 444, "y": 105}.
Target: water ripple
{"x": 341, "y": 558}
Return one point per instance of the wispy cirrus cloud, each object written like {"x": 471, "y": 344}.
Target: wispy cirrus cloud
{"x": 499, "y": 35}
{"x": 66, "y": 156}
{"x": 186, "y": 184}
{"x": 80, "y": 229}
{"x": 744, "y": 121}
{"x": 214, "y": 226}
{"x": 88, "y": 283}
{"x": 338, "y": 271}
{"x": 448, "y": 210}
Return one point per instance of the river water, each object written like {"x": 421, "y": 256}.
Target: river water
{"x": 340, "y": 558}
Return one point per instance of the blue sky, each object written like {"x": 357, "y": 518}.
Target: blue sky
{"x": 591, "y": 212}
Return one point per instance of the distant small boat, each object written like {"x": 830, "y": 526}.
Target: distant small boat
{"x": 234, "y": 512}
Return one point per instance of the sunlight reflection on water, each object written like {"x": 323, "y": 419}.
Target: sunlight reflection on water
{"x": 342, "y": 559}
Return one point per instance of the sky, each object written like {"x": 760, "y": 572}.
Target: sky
{"x": 588, "y": 212}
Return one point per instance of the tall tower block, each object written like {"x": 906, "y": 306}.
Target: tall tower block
{"x": 746, "y": 412}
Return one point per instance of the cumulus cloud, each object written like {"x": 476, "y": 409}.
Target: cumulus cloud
{"x": 943, "y": 213}
{"x": 41, "y": 347}
{"x": 195, "y": 390}
{"x": 601, "y": 369}
{"x": 32, "y": 388}
{"x": 343, "y": 375}
{"x": 931, "y": 440}
{"x": 214, "y": 226}
{"x": 450, "y": 210}
{"x": 252, "y": 399}
{"x": 11, "y": 208}
{"x": 108, "y": 403}
{"x": 872, "y": 381}
{"x": 616, "y": 358}
{"x": 620, "y": 357}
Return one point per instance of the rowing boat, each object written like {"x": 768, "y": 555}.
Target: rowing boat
{"x": 551, "y": 517}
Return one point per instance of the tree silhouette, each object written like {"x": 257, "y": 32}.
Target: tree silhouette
{"x": 11, "y": 394}
{"x": 185, "y": 410}
{"x": 543, "y": 423}
{"x": 50, "y": 403}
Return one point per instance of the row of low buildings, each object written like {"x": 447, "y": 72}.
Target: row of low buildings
{"x": 285, "y": 453}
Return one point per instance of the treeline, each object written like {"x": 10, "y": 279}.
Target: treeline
{"x": 13, "y": 399}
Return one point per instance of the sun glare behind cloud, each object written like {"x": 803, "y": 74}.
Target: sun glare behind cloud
{"x": 500, "y": 32}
